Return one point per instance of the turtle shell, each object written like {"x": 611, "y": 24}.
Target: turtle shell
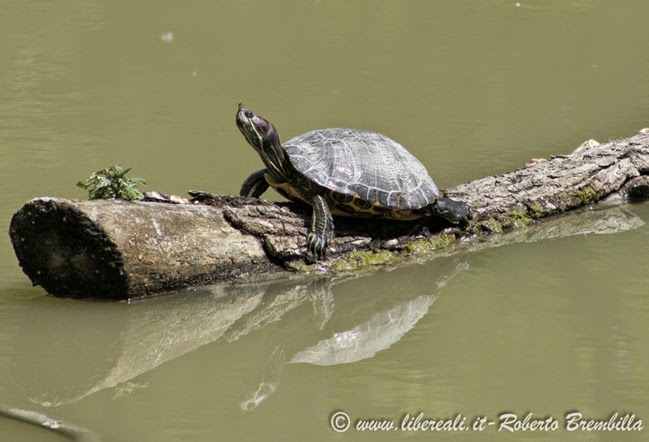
{"x": 363, "y": 164}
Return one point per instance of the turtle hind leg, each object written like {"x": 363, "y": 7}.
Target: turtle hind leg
{"x": 322, "y": 229}
{"x": 456, "y": 212}
{"x": 254, "y": 185}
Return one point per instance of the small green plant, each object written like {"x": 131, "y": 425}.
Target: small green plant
{"x": 112, "y": 182}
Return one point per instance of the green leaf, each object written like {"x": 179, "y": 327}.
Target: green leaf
{"x": 112, "y": 182}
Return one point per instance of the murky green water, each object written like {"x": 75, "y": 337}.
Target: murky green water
{"x": 473, "y": 88}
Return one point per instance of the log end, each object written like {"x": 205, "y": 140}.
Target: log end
{"x": 62, "y": 250}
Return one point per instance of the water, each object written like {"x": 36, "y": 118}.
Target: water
{"x": 546, "y": 326}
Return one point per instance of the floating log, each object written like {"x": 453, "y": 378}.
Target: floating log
{"x": 119, "y": 250}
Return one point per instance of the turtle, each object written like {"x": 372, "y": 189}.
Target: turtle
{"x": 343, "y": 172}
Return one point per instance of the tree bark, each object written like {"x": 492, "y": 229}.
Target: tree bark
{"x": 119, "y": 250}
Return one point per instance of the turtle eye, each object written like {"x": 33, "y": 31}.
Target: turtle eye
{"x": 248, "y": 113}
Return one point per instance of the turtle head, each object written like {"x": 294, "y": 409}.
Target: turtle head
{"x": 263, "y": 137}
{"x": 258, "y": 131}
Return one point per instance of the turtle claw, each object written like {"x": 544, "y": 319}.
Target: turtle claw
{"x": 316, "y": 247}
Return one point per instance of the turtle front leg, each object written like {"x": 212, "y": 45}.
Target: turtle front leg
{"x": 254, "y": 185}
{"x": 322, "y": 229}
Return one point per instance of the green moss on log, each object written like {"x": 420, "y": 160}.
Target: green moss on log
{"x": 489, "y": 225}
{"x": 517, "y": 219}
{"x": 362, "y": 260}
{"x": 587, "y": 195}
{"x": 365, "y": 260}
{"x": 429, "y": 245}
{"x": 536, "y": 210}
{"x": 513, "y": 219}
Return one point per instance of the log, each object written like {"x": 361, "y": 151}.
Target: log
{"x": 119, "y": 250}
